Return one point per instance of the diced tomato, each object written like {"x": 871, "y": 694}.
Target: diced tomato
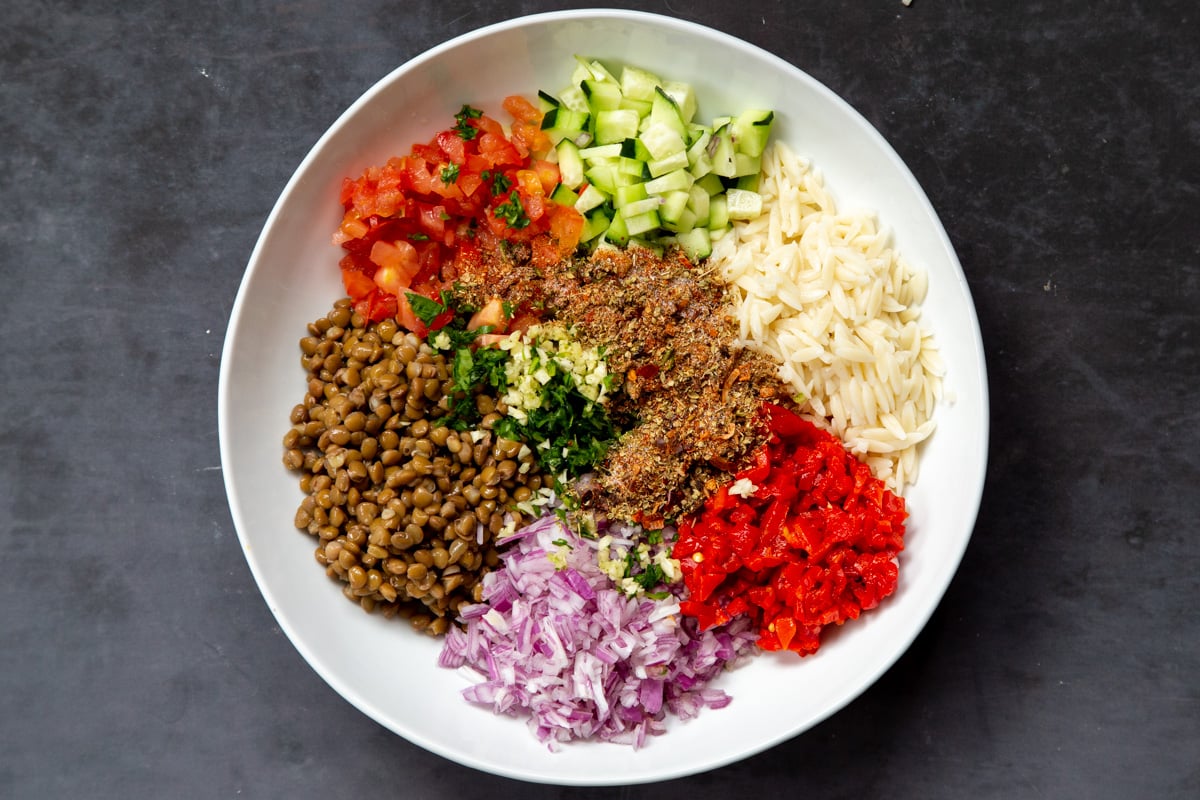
{"x": 398, "y": 255}
{"x": 358, "y": 285}
{"x": 405, "y": 220}
{"x": 452, "y": 146}
{"x": 521, "y": 109}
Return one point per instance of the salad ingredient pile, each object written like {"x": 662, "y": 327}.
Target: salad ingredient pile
{"x": 547, "y": 424}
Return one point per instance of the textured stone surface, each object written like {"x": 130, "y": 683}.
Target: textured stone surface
{"x": 142, "y": 148}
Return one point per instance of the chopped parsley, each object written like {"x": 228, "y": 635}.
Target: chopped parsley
{"x": 465, "y": 130}
{"x": 512, "y": 212}
{"x": 501, "y": 183}
{"x": 449, "y": 173}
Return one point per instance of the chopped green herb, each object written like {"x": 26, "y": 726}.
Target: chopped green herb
{"x": 562, "y": 543}
{"x": 419, "y": 237}
{"x": 449, "y": 173}
{"x": 500, "y": 183}
{"x": 651, "y": 577}
{"x": 427, "y": 310}
{"x": 464, "y": 129}
{"x": 512, "y": 212}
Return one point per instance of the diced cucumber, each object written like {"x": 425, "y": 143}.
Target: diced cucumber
{"x": 684, "y": 97}
{"x": 641, "y": 223}
{"x": 751, "y": 129}
{"x": 724, "y": 157}
{"x": 645, "y": 170}
{"x": 679, "y": 180}
{"x": 618, "y": 232}
{"x": 570, "y": 164}
{"x": 696, "y": 243}
{"x": 673, "y": 162}
{"x": 743, "y": 204}
{"x": 662, "y": 140}
{"x": 638, "y": 84}
{"x": 664, "y": 111}
{"x": 634, "y": 167}
{"x": 745, "y": 164}
{"x": 635, "y": 208}
{"x": 601, "y": 95}
{"x": 624, "y": 195}
{"x": 642, "y": 107}
{"x": 718, "y": 212}
{"x": 601, "y": 152}
{"x": 562, "y": 123}
{"x": 711, "y": 184}
{"x": 698, "y": 202}
{"x": 564, "y": 196}
{"x": 602, "y": 175}
{"x": 590, "y": 69}
{"x": 673, "y": 205}
{"x": 748, "y": 182}
{"x": 590, "y": 198}
{"x": 573, "y": 98}
{"x": 594, "y": 224}
{"x": 616, "y": 126}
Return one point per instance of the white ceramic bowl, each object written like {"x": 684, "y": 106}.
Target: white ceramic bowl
{"x": 385, "y": 669}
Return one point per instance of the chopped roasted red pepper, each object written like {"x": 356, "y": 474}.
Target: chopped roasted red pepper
{"x": 815, "y": 544}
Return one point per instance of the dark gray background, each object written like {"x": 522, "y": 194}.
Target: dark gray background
{"x": 141, "y": 148}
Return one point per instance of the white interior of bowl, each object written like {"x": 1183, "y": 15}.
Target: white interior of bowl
{"x": 387, "y": 670}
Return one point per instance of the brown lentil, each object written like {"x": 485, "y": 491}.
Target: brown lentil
{"x": 399, "y": 504}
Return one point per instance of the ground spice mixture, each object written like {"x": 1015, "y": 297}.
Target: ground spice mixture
{"x": 686, "y": 397}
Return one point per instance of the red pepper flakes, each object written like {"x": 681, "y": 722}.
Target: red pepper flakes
{"x": 816, "y": 543}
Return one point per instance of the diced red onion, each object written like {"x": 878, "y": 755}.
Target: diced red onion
{"x": 580, "y": 659}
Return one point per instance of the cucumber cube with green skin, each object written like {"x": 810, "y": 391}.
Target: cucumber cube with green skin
{"x": 594, "y": 224}
{"x": 696, "y": 243}
{"x": 547, "y": 101}
{"x": 601, "y": 152}
{"x": 665, "y": 111}
{"x": 751, "y": 129}
{"x": 570, "y": 163}
{"x": 601, "y": 95}
{"x": 673, "y": 205}
{"x": 679, "y": 180}
{"x": 748, "y": 182}
{"x": 618, "y": 232}
{"x": 590, "y": 198}
{"x": 634, "y": 167}
{"x": 624, "y": 195}
{"x": 602, "y": 175}
{"x": 591, "y": 69}
{"x": 684, "y": 97}
{"x": 724, "y": 162}
{"x": 641, "y": 223}
{"x": 564, "y": 196}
